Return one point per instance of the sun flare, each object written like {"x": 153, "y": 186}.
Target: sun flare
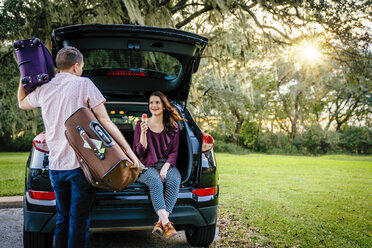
{"x": 311, "y": 53}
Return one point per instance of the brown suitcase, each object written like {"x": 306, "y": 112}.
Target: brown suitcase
{"x": 104, "y": 163}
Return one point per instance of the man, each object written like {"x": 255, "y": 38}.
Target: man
{"x": 58, "y": 99}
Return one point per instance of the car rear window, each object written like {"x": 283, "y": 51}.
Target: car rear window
{"x": 131, "y": 59}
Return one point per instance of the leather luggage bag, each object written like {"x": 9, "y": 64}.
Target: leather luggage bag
{"x": 35, "y": 63}
{"x": 104, "y": 163}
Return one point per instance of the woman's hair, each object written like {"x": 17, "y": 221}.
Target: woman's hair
{"x": 170, "y": 114}
{"x": 67, "y": 57}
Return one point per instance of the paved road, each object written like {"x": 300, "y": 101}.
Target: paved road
{"x": 11, "y": 225}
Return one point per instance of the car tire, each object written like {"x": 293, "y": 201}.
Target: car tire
{"x": 37, "y": 239}
{"x": 201, "y": 236}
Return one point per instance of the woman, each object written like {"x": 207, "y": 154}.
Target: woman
{"x": 156, "y": 143}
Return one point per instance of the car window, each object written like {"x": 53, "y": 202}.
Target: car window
{"x": 126, "y": 115}
{"x": 131, "y": 121}
{"x": 131, "y": 59}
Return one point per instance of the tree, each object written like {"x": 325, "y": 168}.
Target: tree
{"x": 349, "y": 93}
{"x": 24, "y": 19}
{"x": 243, "y": 69}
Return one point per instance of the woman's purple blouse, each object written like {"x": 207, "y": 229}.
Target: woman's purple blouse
{"x": 159, "y": 145}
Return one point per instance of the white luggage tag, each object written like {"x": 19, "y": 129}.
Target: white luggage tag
{"x": 97, "y": 143}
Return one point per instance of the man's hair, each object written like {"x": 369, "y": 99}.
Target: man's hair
{"x": 67, "y": 57}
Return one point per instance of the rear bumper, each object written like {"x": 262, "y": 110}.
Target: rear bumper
{"x": 112, "y": 214}
{"x": 38, "y": 221}
{"x": 142, "y": 217}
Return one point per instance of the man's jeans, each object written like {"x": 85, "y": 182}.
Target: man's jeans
{"x": 74, "y": 197}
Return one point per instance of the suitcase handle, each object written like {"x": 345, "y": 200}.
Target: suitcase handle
{"x": 101, "y": 133}
{"x": 84, "y": 136}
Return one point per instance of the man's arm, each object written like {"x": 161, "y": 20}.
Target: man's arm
{"x": 22, "y": 100}
{"x": 104, "y": 119}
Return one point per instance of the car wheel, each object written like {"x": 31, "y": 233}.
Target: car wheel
{"x": 201, "y": 236}
{"x": 37, "y": 239}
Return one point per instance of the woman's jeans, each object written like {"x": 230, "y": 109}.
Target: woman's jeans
{"x": 163, "y": 195}
{"x": 74, "y": 200}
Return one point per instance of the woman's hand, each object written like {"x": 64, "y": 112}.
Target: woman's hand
{"x": 143, "y": 138}
{"x": 164, "y": 171}
{"x": 144, "y": 127}
{"x": 135, "y": 165}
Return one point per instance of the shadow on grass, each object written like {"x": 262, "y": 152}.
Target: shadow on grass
{"x": 235, "y": 232}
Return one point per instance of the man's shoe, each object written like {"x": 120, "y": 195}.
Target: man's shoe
{"x": 169, "y": 230}
{"x": 158, "y": 230}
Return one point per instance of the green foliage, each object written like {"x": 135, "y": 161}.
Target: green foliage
{"x": 219, "y": 91}
{"x": 11, "y": 19}
{"x": 13, "y": 120}
{"x": 356, "y": 140}
{"x": 251, "y": 69}
{"x": 222, "y": 146}
{"x": 249, "y": 134}
{"x": 22, "y": 143}
{"x": 25, "y": 19}
{"x": 271, "y": 142}
{"x": 317, "y": 141}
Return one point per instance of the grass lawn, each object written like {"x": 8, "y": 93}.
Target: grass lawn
{"x": 275, "y": 200}
{"x": 294, "y": 201}
{"x": 12, "y": 173}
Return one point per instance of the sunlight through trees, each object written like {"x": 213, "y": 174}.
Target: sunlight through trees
{"x": 284, "y": 65}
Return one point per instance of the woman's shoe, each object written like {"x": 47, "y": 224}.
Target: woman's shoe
{"x": 158, "y": 230}
{"x": 169, "y": 230}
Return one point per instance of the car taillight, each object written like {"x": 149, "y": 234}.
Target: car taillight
{"x": 126, "y": 73}
{"x": 40, "y": 144}
{"x": 205, "y": 191}
{"x": 42, "y": 195}
{"x": 207, "y": 143}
